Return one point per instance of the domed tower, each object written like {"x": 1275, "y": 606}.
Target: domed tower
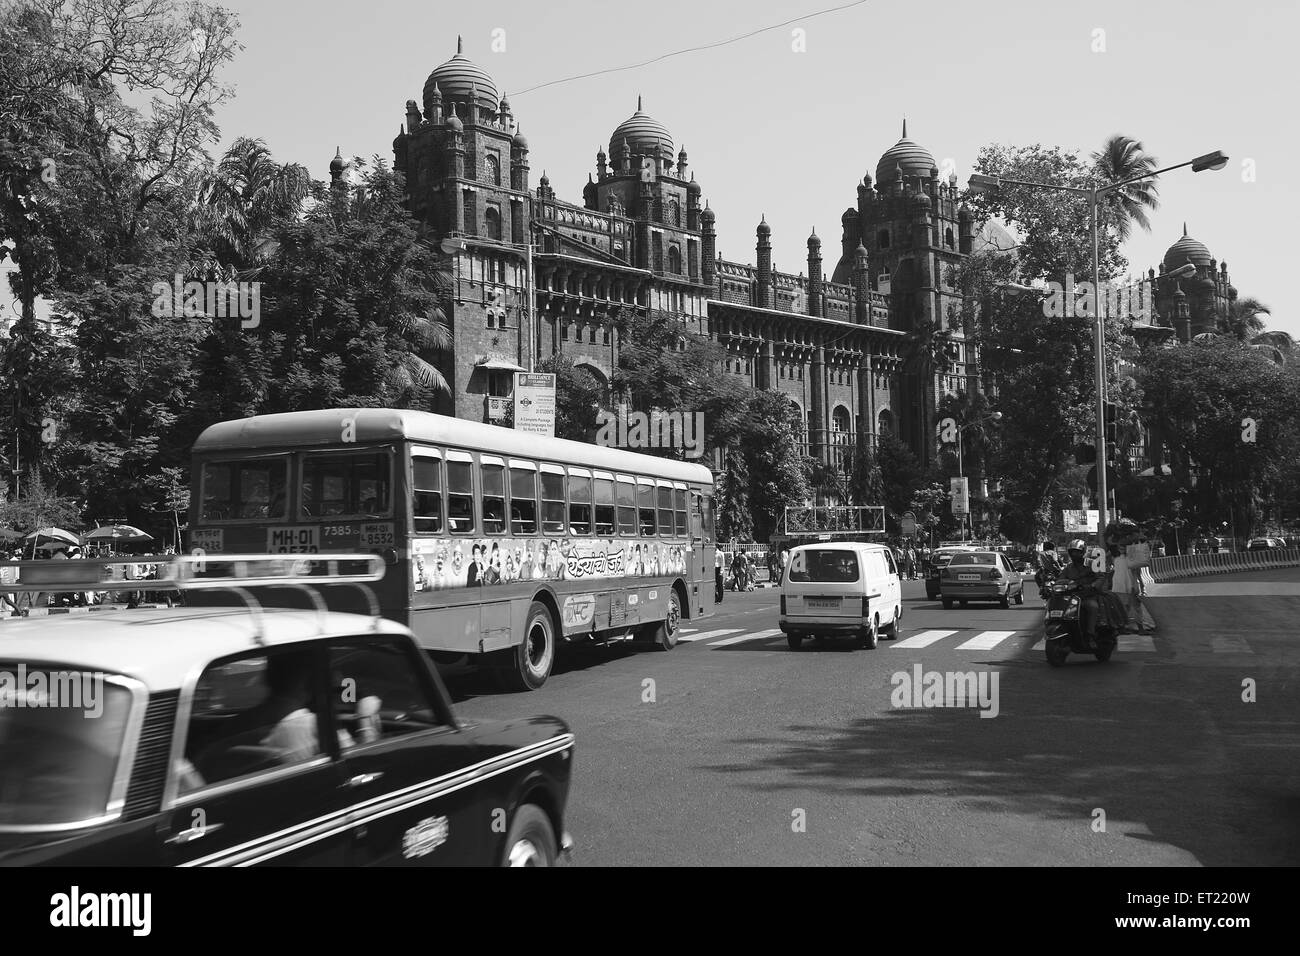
{"x": 1206, "y": 298}
{"x": 643, "y": 184}
{"x": 814, "y": 274}
{"x": 708, "y": 246}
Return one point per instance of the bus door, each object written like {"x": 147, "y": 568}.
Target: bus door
{"x": 702, "y": 554}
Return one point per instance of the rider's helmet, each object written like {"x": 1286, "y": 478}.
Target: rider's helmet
{"x": 1078, "y": 544}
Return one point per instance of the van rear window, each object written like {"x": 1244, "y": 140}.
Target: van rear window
{"x": 824, "y": 565}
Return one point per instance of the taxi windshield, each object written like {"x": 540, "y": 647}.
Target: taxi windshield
{"x": 61, "y": 736}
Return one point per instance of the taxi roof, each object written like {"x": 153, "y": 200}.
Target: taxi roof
{"x": 161, "y": 648}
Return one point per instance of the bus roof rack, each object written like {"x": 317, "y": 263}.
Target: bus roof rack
{"x": 211, "y": 572}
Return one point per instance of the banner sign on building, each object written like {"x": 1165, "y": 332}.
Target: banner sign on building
{"x": 498, "y": 407}
{"x": 960, "y": 496}
{"x": 1082, "y": 520}
{"x": 535, "y": 403}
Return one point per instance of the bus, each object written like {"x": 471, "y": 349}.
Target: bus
{"x": 499, "y": 544}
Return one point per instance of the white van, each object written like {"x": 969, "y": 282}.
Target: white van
{"x": 844, "y": 588}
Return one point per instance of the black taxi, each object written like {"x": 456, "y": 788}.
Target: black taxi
{"x": 242, "y": 736}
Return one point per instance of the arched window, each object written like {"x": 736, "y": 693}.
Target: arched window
{"x": 882, "y": 239}
{"x": 886, "y": 422}
{"x": 947, "y": 238}
{"x": 675, "y": 260}
{"x": 493, "y": 220}
{"x": 493, "y": 170}
{"x": 674, "y": 213}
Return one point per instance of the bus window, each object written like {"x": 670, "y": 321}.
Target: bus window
{"x": 665, "y": 511}
{"x": 351, "y": 484}
{"x": 706, "y": 516}
{"x": 645, "y": 498}
{"x": 679, "y": 506}
{"x": 579, "y": 503}
{"x": 428, "y": 495}
{"x": 552, "y": 502}
{"x": 460, "y": 495}
{"x": 494, "y": 496}
{"x": 604, "y": 491}
{"x": 626, "y": 505}
{"x": 244, "y": 489}
{"x": 523, "y": 500}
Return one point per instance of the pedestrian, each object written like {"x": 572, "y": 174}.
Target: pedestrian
{"x": 718, "y": 558}
{"x": 9, "y": 576}
{"x": 1124, "y": 585}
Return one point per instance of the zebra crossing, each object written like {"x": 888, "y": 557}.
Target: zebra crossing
{"x": 954, "y": 639}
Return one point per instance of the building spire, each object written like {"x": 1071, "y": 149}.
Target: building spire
{"x": 638, "y": 102}
{"x": 1184, "y": 229}
{"x": 460, "y": 45}
{"x": 904, "y": 127}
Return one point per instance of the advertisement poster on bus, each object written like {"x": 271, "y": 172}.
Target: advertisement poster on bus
{"x": 535, "y": 403}
{"x": 440, "y": 563}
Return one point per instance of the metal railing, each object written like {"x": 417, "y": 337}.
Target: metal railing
{"x": 1190, "y": 565}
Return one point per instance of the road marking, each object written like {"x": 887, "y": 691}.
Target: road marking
{"x": 758, "y": 636}
{"x": 1230, "y": 645}
{"x": 924, "y": 639}
{"x": 688, "y": 630}
{"x": 986, "y": 641}
{"x": 708, "y": 634}
{"x": 1041, "y": 645}
{"x": 1137, "y": 644}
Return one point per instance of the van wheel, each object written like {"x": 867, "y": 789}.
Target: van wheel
{"x": 892, "y": 632}
{"x": 795, "y": 641}
{"x": 664, "y": 634}
{"x": 870, "y": 635}
{"x": 527, "y": 666}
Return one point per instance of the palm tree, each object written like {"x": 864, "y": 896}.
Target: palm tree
{"x": 429, "y": 334}
{"x": 1244, "y": 322}
{"x": 1120, "y": 159}
{"x": 244, "y": 196}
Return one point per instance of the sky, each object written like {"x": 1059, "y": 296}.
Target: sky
{"x": 786, "y": 134}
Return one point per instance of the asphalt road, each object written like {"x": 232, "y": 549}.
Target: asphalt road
{"x": 733, "y": 750}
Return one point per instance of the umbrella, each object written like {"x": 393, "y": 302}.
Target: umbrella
{"x": 1163, "y": 471}
{"x": 53, "y": 534}
{"x": 118, "y": 532}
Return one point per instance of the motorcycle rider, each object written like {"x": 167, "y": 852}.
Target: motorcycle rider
{"x": 1086, "y": 578}
{"x": 1048, "y": 567}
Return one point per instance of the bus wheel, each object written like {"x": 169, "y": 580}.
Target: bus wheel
{"x": 528, "y": 665}
{"x": 664, "y": 636}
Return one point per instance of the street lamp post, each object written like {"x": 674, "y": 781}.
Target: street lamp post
{"x": 982, "y": 184}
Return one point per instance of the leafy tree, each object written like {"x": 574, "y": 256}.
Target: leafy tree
{"x": 245, "y": 198}
{"x": 901, "y": 474}
{"x": 1121, "y": 159}
{"x": 40, "y": 507}
{"x": 579, "y": 399}
{"x": 734, "y": 520}
{"x": 778, "y": 475}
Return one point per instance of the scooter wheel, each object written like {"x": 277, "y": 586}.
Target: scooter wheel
{"x": 1056, "y": 655}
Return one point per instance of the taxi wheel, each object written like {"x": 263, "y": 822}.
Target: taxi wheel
{"x": 1020, "y": 596}
{"x": 531, "y": 840}
{"x": 795, "y": 641}
{"x": 1005, "y": 601}
{"x": 528, "y": 664}
{"x": 869, "y": 637}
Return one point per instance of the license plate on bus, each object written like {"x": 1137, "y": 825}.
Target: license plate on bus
{"x": 377, "y": 536}
{"x": 1057, "y": 613}
{"x": 968, "y": 577}
{"x": 292, "y": 540}
{"x": 822, "y": 602}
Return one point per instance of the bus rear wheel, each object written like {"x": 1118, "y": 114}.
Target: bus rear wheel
{"x": 527, "y": 665}
{"x": 664, "y": 635}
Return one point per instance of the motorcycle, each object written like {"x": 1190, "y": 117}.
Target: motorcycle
{"x": 1045, "y": 577}
{"x": 1063, "y": 626}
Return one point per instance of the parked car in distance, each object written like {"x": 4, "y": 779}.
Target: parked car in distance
{"x": 844, "y": 589}
{"x": 980, "y": 576}
{"x": 1265, "y": 544}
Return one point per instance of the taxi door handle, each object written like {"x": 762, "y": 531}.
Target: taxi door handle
{"x": 361, "y": 779}
{"x": 195, "y": 833}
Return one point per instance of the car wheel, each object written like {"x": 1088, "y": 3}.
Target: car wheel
{"x": 870, "y": 635}
{"x": 947, "y": 604}
{"x": 963, "y": 603}
{"x": 932, "y": 595}
{"x": 1020, "y": 596}
{"x": 529, "y": 663}
{"x": 795, "y": 641}
{"x": 664, "y": 634}
{"x": 1005, "y": 601}
{"x": 531, "y": 839}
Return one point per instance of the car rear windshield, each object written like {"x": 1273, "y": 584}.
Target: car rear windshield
{"x": 826, "y": 565}
{"x": 973, "y": 558}
{"x": 61, "y": 736}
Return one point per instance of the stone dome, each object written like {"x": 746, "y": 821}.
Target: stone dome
{"x": 458, "y": 77}
{"x": 1187, "y": 250}
{"x": 644, "y": 134}
{"x": 914, "y": 159}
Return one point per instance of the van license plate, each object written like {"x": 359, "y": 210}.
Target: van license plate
{"x": 1056, "y": 613}
{"x": 968, "y": 577}
{"x": 823, "y": 602}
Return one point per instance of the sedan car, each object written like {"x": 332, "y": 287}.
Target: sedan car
{"x": 938, "y": 561}
{"x": 980, "y": 576}
{"x": 219, "y": 737}
{"x": 1265, "y": 544}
